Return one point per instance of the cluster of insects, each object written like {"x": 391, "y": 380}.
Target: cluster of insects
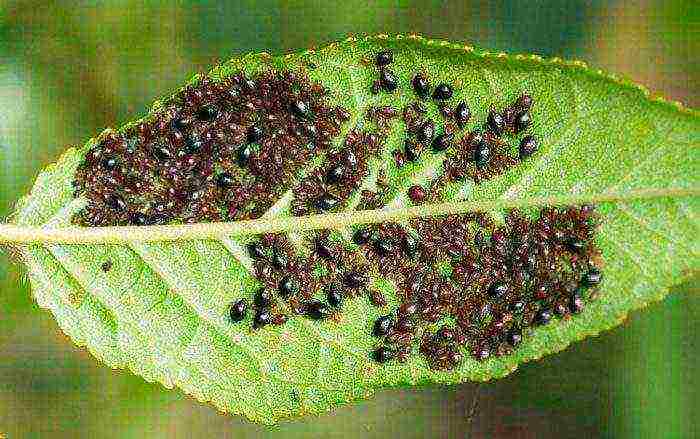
{"x": 480, "y": 154}
{"x": 328, "y": 186}
{"x": 469, "y": 285}
{"x": 314, "y": 286}
{"x": 220, "y": 150}
{"x": 485, "y": 153}
{"x": 466, "y": 284}
{"x": 387, "y": 79}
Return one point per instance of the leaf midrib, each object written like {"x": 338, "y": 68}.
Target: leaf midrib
{"x": 14, "y": 234}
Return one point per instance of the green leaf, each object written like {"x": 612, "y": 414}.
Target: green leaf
{"x": 161, "y": 311}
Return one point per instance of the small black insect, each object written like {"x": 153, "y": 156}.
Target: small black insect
{"x": 409, "y": 245}
{"x": 384, "y": 58}
{"x": 383, "y": 247}
{"x": 384, "y": 354}
{"x": 288, "y": 286}
{"x": 256, "y": 251}
{"x": 279, "y": 259}
{"x": 421, "y": 85}
{"x": 262, "y": 318}
{"x": 238, "y": 310}
{"x": 362, "y": 236}
{"x": 388, "y": 80}
{"x": 106, "y": 266}
{"x": 592, "y": 277}
{"x": 335, "y": 174}
{"x": 161, "y": 152}
{"x": 412, "y": 150}
{"x": 462, "y": 114}
{"x": 243, "y": 155}
{"x": 263, "y": 298}
{"x": 495, "y": 122}
{"x": 301, "y": 109}
{"x": 426, "y": 132}
{"x": 225, "y": 180}
{"x": 316, "y": 310}
{"x": 442, "y": 142}
{"x": 543, "y": 316}
{"x": 254, "y": 134}
{"x": 528, "y": 146}
{"x": 110, "y": 163}
{"x": 575, "y": 245}
{"x": 207, "y": 113}
{"x": 179, "y": 124}
{"x": 193, "y": 146}
{"x": 382, "y": 326}
{"x": 498, "y": 289}
{"x": 139, "y": 219}
{"x": 442, "y": 92}
{"x": 334, "y": 295}
{"x": 482, "y": 155}
{"x": 514, "y": 338}
{"x": 324, "y": 250}
{"x": 326, "y": 202}
{"x": 354, "y": 279}
{"x": 522, "y": 121}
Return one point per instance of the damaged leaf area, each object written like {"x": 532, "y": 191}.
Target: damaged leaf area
{"x": 286, "y": 234}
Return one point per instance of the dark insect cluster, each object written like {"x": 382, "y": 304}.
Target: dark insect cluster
{"x": 469, "y": 286}
{"x": 479, "y": 154}
{"x": 328, "y": 187}
{"x": 387, "y": 80}
{"x": 466, "y": 285}
{"x": 425, "y": 133}
{"x": 289, "y": 285}
{"x": 485, "y": 153}
{"x": 220, "y": 150}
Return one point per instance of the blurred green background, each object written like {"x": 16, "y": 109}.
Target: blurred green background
{"x": 69, "y": 69}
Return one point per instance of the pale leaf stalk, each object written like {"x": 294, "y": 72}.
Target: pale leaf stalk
{"x": 16, "y": 234}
